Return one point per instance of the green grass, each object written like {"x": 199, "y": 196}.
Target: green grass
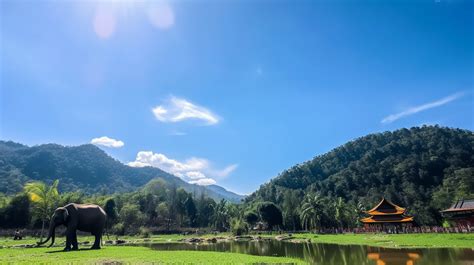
{"x": 11, "y": 253}
{"x": 131, "y": 255}
{"x": 397, "y": 240}
{"x": 384, "y": 240}
{"x": 8, "y": 241}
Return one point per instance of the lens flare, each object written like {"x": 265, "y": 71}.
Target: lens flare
{"x": 161, "y": 16}
{"x": 104, "y": 23}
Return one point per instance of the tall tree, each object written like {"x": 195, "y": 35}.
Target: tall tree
{"x": 271, "y": 214}
{"x": 190, "y": 210}
{"x": 16, "y": 213}
{"x": 221, "y": 216}
{"x": 205, "y": 210}
{"x": 311, "y": 211}
{"x": 339, "y": 212}
{"x": 44, "y": 199}
{"x": 111, "y": 210}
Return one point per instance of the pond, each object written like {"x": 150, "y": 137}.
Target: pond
{"x": 332, "y": 254}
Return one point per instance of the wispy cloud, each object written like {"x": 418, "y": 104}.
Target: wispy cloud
{"x": 178, "y": 109}
{"x": 222, "y": 173}
{"x": 420, "y": 108}
{"x": 108, "y": 142}
{"x": 193, "y": 170}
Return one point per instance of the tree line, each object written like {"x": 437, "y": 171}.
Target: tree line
{"x": 159, "y": 207}
{"x": 424, "y": 169}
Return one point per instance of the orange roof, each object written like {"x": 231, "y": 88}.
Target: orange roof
{"x": 369, "y": 220}
{"x": 383, "y": 213}
{"x": 375, "y": 211}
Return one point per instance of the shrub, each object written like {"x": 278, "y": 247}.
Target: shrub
{"x": 118, "y": 229}
{"x": 238, "y": 227}
{"x": 144, "y": 232}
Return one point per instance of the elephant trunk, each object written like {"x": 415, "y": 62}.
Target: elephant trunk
{"x": 51, "y": 234}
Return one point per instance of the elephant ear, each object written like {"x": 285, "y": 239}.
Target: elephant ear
{"x": 65, "y": 214}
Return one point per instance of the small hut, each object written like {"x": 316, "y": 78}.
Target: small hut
{"x": 386, "y": 215}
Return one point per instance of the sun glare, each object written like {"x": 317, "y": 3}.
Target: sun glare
{"x": 104, "y": 23}
{"x": 107, "y": 15}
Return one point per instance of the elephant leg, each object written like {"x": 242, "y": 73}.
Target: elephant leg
{"x": 68, "y": 242}
{"x": 96, "y": 242}
{"x": 74, "y": 240}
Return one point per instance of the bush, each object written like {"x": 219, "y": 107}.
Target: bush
{"x": 144, "y": 232}
{"x": 132, "y": 218}
{"x": 238, "y": 227}
{"x": 251, "y": 217}
{"x": 118, "y": 229}
{"x": 446, "y": 224}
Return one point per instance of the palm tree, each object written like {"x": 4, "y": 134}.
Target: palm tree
{"x": 339, "y": 213}
{"x": 220, "y": 215}
{"x": 44, "y": 199}
{"x": 311, "y": 211}
{"x": 358, "y": 212}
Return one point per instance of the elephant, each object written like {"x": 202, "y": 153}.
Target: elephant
{"x": 83, "y": 217}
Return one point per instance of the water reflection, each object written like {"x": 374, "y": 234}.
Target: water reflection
{"x": 393, "y": 256}
{"x": 331, "y": 254}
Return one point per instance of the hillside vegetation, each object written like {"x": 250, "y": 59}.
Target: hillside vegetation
{"x": 423, "y": 169}
{"x": 86, "y": 168}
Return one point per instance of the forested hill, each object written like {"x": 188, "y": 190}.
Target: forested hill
{"x": 85, "y": 167}
{"x": 423, "y": 168}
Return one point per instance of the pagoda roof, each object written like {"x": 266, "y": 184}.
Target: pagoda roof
{"x": 385, "y": 207}
{"x": 370, "y": 220}
{"x": 461, "y": 206}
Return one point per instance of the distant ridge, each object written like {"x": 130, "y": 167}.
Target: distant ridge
{"x": 86, "y": 168}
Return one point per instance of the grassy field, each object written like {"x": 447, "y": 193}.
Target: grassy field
{"x": 131, "y": 254}
{"x": 397, "y": 241}
{"x": 8, "y": 241}
{"x": 12, "y": 252}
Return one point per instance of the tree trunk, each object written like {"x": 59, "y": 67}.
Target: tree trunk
{"x": 42, "y": 230}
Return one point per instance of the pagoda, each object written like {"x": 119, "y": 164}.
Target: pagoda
{"x": 386, "y": 213}
{"x": 461, "y": 213}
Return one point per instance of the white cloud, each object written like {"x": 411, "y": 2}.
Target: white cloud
{"x": 195, "y": 175}
{"x": 203, "y": 182}
{"x": 108, "y": 142}
{"x": 416, "y": 109}
{"x": 194, "y": 170}
{"x": 177, "y": 110}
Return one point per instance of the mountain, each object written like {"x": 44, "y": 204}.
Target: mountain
{"x": 225, "y": 193}
{"x": 85, "y": 167}
{"x": 423, "y": 168}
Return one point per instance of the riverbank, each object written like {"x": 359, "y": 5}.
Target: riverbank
{"x": 395, "y": 240}
{"x": 381, "y": 240}
{"x": 130, "y": 255}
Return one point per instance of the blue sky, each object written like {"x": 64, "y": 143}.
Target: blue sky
{"x": 232, "y": 92}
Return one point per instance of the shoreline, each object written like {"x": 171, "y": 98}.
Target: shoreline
{"x": 400, "y": 241}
